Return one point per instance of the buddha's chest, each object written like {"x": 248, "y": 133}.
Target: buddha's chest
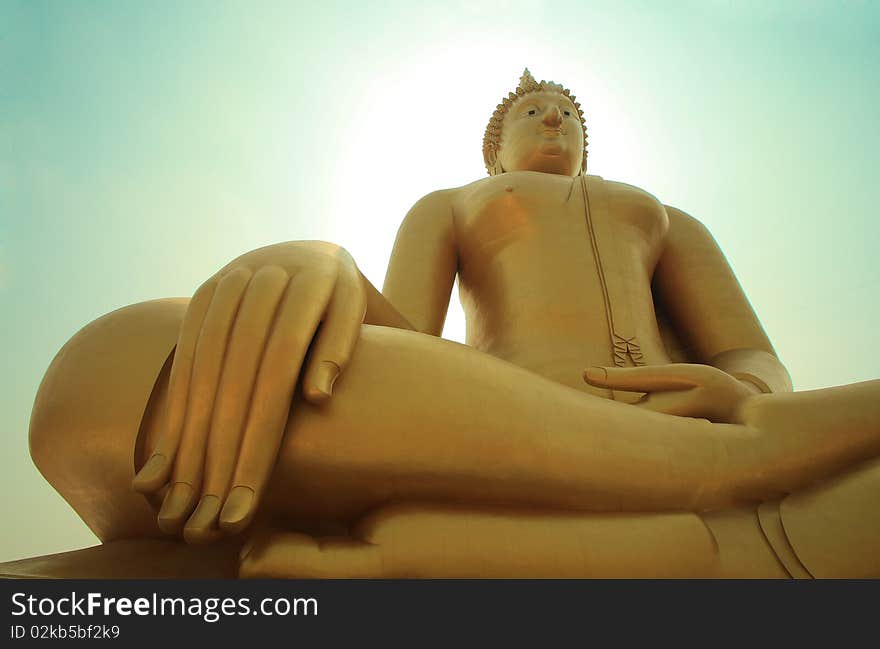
{"x": 540, "y": 221}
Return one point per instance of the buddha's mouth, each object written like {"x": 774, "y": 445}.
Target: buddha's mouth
{"x": 551, "y": 149}
{"x": 552, "y": 132}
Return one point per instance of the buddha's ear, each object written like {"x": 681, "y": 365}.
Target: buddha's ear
{"x": 492, "y": 163}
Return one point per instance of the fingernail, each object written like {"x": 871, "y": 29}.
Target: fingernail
{"x": 596, "y": 374}
{"x": 150, "y": 472}
{"x": 206, "y": 513}
{"x": 238, "y": 505}
{"x": 327, "y": 377}
{"x": 175, "y": 506}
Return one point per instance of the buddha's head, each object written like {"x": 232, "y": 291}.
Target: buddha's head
{"x": 540, "y": 127}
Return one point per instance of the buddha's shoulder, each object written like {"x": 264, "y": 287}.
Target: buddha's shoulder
{"x": 442, "y": 205}
{"x": 487, "y": 184}
{"x": 459, "y": 199}
{"x": 432, "y": 205}
{"x": 624, "y": 192}
{"x": 620, "y": 192}
{"x": 635, "y": 204}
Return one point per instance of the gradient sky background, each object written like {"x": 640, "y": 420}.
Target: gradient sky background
{"x": 145, "y": 144}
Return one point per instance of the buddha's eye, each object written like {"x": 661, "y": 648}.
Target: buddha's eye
{"x": 567, "y": 113}
{"x": 532, "y": 111}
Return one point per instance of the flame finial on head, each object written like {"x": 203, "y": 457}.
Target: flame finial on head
{"x": 527, "y": 84}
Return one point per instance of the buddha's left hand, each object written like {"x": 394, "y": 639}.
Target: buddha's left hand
{"x": 683, "y": 389}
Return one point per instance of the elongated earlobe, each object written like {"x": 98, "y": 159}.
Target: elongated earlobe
{"x": 492, "y": 164}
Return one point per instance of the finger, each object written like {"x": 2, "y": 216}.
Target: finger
{"x": 210, "y": 349}
{"x": 301, "y": 308}
{"x": 681, "y": 404}
{"x": 154, "y": 474}
{"x": 337, "y": 337}
{"x": 244, "y": 351}
{"x": 201, "y": 527}
{"x": 648, "y": 378}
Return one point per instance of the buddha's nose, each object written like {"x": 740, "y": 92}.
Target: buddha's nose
{"x": 553, "y": 116}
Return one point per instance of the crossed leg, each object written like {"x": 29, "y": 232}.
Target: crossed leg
{"x": 418, "y": 419}
{"x": 436, "y": 541}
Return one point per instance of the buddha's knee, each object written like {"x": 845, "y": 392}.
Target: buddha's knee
{"x": 88, "y": 410}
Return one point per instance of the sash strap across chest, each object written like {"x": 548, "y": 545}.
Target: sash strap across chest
{"x": 614, "y": 279}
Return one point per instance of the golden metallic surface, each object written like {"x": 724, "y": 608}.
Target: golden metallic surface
{"x": 89, "y": 408}
{"x": 834, "y": 528}
{"x": 774, "y": 532}
{"x": 744, "y": 551}
{"x": 617, "y": 411}
{"x": 445, "y": 542}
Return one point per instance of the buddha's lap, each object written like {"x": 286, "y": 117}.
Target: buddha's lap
{"x": 99, "y": 410}
{"x": 102, "y": 434}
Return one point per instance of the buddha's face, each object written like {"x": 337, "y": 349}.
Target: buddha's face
{"x": 542, "y": 132}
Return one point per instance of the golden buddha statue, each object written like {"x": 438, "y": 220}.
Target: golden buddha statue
{"x": 617, "y": 411}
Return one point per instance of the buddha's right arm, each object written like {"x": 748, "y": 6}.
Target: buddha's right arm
{"x": 268, "y": 319}
{"x": 423, "y": 263}
{"x": 275, "y": 318}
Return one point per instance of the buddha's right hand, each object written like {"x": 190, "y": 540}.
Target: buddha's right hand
{"x": 239, "y": 355}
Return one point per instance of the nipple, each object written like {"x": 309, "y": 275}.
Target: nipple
{"x": 509, "y": 188}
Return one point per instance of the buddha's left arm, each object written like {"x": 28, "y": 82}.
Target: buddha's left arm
{"x": 709, "y": 309}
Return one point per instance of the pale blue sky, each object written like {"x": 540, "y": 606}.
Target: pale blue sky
{"x": 144, "y": 144}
